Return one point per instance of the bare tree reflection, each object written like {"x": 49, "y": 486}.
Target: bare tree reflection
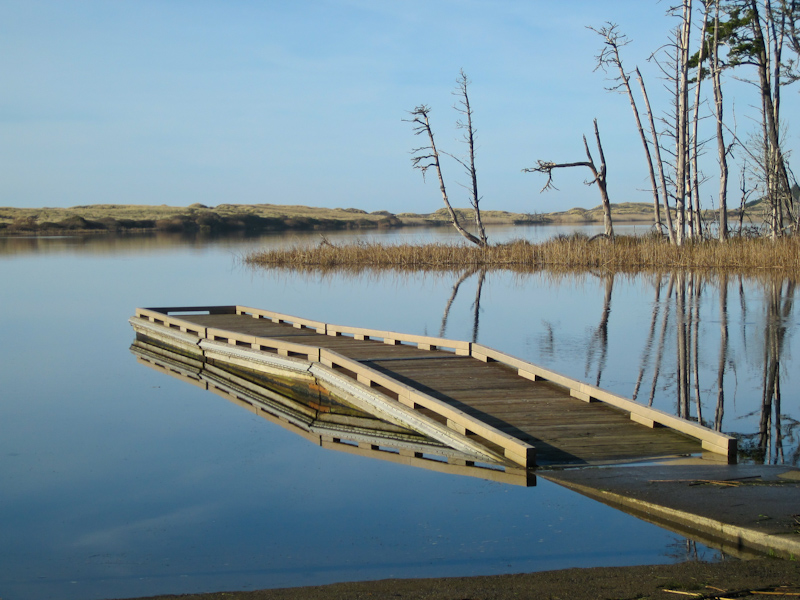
{"x": 464, "y": 276}
{"x": 476, "y": 305}
{"x": 767, "y": 444}
{"x": 723, "y": 351}
{"x": 688, "y": 301}
{"x": 548, "y": 341}
{"x": 780, "y": 297}
{"x": 651, "y": 332}
{"x": 662, "y": 340}
{"x": 599, "y": 340}
{"x": 696, "y": 287}
{"x": 682, "y": 360}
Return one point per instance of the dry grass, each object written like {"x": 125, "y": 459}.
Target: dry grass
{"x": 628, "y": 254}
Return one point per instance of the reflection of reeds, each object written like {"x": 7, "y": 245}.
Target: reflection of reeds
{"x": 574, "y": 252}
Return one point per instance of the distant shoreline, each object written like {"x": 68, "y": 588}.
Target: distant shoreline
{"x": 257, "y": 218}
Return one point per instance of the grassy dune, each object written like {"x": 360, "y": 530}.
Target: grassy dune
{"x": 97, "y": 218}
{"x": 105, "y": 218}
{"x": 197, "y": 217}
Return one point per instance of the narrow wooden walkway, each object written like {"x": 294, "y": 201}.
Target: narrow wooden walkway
{"x": 514, "y": 408}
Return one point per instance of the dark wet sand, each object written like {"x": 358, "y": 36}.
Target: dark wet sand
{"x": 730, "y": 579}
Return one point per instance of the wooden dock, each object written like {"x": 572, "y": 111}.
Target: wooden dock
{"x": 483, "y": 405}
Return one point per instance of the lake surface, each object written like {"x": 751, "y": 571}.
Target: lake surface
{"x": 120, "y": 481}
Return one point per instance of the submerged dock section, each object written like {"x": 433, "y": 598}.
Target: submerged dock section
{"x": 471, "y": 405}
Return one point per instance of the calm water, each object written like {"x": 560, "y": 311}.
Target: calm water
{"x": 120, "y": 481}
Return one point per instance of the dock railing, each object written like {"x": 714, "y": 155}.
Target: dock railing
{"x": 516, "y": 450}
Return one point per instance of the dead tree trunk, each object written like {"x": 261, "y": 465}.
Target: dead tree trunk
{"x": 426, "y": 157}
{"x": 465, "y": 109}
{"x": 547, "y": 168}
{"x": 722, "y": 149}
{"x": 682, "y": 113}
{"x": 662, "y": 178}
{"x": 609, "y": 57}
{"x": 697, "y": 224}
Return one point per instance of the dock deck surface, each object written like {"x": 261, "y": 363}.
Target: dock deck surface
{"x": 563, "y": 429}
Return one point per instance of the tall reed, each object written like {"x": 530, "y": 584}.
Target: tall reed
{"x": 576, "y": 252}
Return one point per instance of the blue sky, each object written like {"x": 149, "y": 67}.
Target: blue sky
{"x": 183, "y": 101}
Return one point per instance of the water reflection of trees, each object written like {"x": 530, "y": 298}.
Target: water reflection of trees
{"x": 476, "y": 305}
{"x": 598, "y": 346}
{"x": 779, "y": 299}
{"x": 683, "y": 301}
{"x": 680, "y": 360}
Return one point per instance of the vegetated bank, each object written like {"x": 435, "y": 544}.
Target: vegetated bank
{"x": 256, "y": 218}
{"x": 573, "y": 252}
{"x": 224, "y": 218}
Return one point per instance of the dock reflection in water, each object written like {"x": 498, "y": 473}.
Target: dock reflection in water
{"x": 300, "y": 405}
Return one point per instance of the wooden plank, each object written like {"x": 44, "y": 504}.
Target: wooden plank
{"x": 393, "y": 338}
{"x": 215, "y": 310}
{"x": 275, "y": 317}
{"x": 590, "y": 392}
{"x": 183, "y": 325}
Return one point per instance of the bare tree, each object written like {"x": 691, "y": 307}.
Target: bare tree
{"x": 715, "y": 68}
{"x": 676, "y": 72}
{"x": 426, "y": 157}
{"x": 694, "y": 187}
{"x": 746, "y": 192}
{"x": 682, "y": 40}
{"x": 463, "y": 106}
{"x": 660, "y": 163}
{"x": 609, "y": 57}
{"x": 547, "y": 167}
